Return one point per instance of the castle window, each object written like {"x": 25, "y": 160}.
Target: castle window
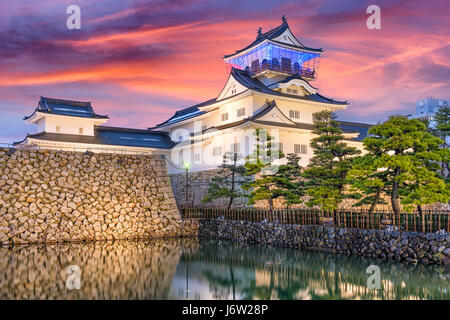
{"x": 225, "y": 116}
{"x": 304, "y": 149}
{"x": 241, "y": 112}
{"x": 80, "y": 130}
{"x": 286, "y": 64}
{"x": 294, "y": 91}
{"x": 234, "y": 147}
{"x": 58, "y": 129}
{"x": 255, "y": 66}
{"x": 275, "y": 63}
{"x": 300, "y": 148}
{"x": 264, "y": 64}
{"x": 294, "y": 114}
{"x": 280, "y": 146}
{"x": 217, "y": 151}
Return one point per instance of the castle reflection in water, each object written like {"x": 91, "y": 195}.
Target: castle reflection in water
{"x": 192, "y": 269}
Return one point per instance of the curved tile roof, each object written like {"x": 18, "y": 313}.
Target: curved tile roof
{"x": 244, "y": 78}
{"x": 66, "y": 108}
{"x": 252, "y": 83}
{"x": 270, "y": 35}
{"x": 186, "y": 113}
{"x": 113, "y": 136}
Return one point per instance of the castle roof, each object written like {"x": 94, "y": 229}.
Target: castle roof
{"x": 244, "y": 78}
{"x": 247, "y": 80}
{"x": 346, "y": 126}
{"x": 271, "y": 35}
{"x": 114, "y": 136}
{"x": 66, "y": 108}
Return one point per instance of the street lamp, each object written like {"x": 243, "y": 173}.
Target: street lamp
{"x": 186, "y": 167}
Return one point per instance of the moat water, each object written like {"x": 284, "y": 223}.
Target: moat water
{"x": 191, "y": 269}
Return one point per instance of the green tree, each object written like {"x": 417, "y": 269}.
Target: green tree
{"x": 289, "y": 182}
{"x": 265, "y": 184}
{"x": 409, "y": 156}
{"x": 227, "y": 182}
{"x": 367, "y": 183}
{"x": 328, "y": 168}
{"x": 442, "y": 118}
{"x": 442, "y": 130}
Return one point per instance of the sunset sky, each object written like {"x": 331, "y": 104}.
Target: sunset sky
{"x": 140, "y": 61}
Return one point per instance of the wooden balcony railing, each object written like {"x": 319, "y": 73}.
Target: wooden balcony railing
{"x": 290, "y": 69}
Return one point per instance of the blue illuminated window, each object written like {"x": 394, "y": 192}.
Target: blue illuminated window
{"x": 275, "y": 63}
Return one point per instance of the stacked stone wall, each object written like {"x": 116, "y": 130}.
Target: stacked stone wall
{"x": 54, "y": 196}
{"x": 413, "y": 247}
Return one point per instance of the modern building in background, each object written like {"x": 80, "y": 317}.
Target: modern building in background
{"x": 427, "y": 108}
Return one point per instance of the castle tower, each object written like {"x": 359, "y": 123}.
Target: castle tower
{"x": 276, "y": 55}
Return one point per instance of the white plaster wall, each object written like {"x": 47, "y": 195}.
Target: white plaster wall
{"x": 40, "y": 125}
{"x": 306, "y": 109}
{"x": 232, "y": 107}
{"x": 69, "y": 125}
{"x": 289, "y": 138}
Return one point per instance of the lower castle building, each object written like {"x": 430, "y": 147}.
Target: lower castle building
{"x": 74, "y": 126}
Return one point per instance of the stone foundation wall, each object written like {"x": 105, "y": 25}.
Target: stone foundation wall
{"x": 198, "y": 184}
{"x": 412, "y": 247}
{"x": 53, "y": 196}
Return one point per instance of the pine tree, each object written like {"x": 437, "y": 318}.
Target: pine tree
{"x": 227, "y": 182}
{"x": 327, "y": 169}
{"x": 442, "y": 130}
{"x": 410, "y": 158}
{"x": 442, "y": 118}
{"x": 260, "y": 166}
{"x": 289, "y": 182}
{"x": 368, "y": 184}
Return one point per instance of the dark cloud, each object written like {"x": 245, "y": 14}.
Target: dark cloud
{"x": 430, "y": 71}
{"x": 393, "y": 71}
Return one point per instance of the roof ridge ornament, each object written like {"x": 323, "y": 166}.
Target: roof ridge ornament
{"x": 259, "y": 32}
{"x": 283, "y": 18}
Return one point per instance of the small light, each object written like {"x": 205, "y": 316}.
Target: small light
{"x": 187, "y": 165}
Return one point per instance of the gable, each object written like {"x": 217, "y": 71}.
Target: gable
{"x": 288, "y": 38}
{"x": 303, "y": 87}
{"x": 273, "y": 114}
{"x": 231, "y": 88}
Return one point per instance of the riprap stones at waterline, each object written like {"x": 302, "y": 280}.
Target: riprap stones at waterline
{"x": 407, "y": 246}
{"x": 51, "y": 196}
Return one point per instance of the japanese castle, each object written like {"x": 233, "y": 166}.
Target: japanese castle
{"x": 268, "y": 87}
